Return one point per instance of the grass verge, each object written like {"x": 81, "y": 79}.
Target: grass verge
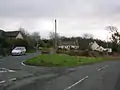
{"x": 64, "y": 60}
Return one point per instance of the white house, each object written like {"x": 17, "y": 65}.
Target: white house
{"x": 109, "y": 50}
{"x": 68, "y": 45}
{"x": 96, "y": 47}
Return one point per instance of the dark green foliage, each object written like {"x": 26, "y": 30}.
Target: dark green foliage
{"x": 46, "y": 43}
{"x": 115, "y": 38}
{"x": 3, "y": 44}
{"x": 17, "y": 42}
{"x": 86, "y": 53}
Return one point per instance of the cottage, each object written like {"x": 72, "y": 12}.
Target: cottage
{"x": 68, "y": 45}
{"x": 96, "y": 47}
{"x": 12, "y": 34}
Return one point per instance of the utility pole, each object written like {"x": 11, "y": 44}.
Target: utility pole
{"x": 55, "y": 35}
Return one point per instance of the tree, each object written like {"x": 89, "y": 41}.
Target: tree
{"x": 36, "y": 36}
{"x": 32, "y": 39}
{"x": 115, "y": 37}
{"x": 24, "y": 32}
{"x": 52, "y": 37}
{"x": 18, "y": 42}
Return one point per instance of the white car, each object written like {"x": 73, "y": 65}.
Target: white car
{"x": 19, "y": 51}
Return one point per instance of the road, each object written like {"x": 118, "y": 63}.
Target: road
{"x": 16, "y": 76}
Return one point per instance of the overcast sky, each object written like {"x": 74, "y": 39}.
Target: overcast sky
{"x": 74, "y": 17}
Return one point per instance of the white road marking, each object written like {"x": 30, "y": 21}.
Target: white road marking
{"x": 76, "y": 83}
{"x": 13, "y": 79}
{"x": 2, "y": 70}
{"x": 11, "y": 71}
{"x": 1, "y": 82}
{"x": 99, "y": 69}
{"x": 23, "y": 63}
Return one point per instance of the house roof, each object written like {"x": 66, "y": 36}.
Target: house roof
{"x": 12, "y": 33}
{"x": 68, "y": 43}
{"x": 1, "y": 32}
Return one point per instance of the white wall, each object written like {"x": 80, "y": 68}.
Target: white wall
{"x": 94, "y": 46}
{"x": 19, "y": 36}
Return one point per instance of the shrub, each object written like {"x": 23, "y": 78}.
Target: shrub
{"x": 46, "y": 50}
{"x": 62, "y": 51}
{"x": 75, "y": 53}
{"x": 86, "y": 53}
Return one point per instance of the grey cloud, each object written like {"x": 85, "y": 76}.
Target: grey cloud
{"x": 58, "y": 8}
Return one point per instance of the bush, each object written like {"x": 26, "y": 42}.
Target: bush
{"x": 74, "y": 53}
{"x": 17, "y": 42}
{"x": 5, "y": 51}
{"x": 62, "y": 51}
{"x": 1, "y": 52}
{"x": 46, "y": 50}
{"x": 86, "y": 53}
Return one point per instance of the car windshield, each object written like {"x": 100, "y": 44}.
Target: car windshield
{"x": 18, "y": 48}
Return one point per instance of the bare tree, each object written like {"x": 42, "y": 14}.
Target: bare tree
{"x": 112, "y": 28}
{"x": 24, "y": 32}
{"x": 115, "y": 38}
{"x": 115, "y": 35}
{"x": 32, "y": 39}
{"x": 52, "y": 35}
{"x": 36, "y": 36}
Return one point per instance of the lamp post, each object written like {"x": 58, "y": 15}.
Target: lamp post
{"x": 55, "y": 35}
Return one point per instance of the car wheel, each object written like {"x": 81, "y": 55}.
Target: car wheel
{"x": 21, "y": 53}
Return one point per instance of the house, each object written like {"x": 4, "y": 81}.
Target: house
{"x": 12, "y": 34}
{"x": 68, "y": 45}
{"x": 2, "y": 34}
{"x": 109, "y": 50}
{"x": 94, "y": 46}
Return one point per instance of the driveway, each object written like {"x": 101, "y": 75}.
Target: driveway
{"x": 101, "y": 76}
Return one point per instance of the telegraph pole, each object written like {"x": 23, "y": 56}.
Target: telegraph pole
{"x": 55, "y": 35}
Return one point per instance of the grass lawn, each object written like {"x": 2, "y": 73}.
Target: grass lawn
{"x": 62, "y": 60}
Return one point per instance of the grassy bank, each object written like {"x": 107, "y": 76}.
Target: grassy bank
{"x": 62, "y": 60}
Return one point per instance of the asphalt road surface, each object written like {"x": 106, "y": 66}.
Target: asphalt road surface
{"x": 16, "y": 76}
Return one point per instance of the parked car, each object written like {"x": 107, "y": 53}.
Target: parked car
{"x": 19, "y": 51}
